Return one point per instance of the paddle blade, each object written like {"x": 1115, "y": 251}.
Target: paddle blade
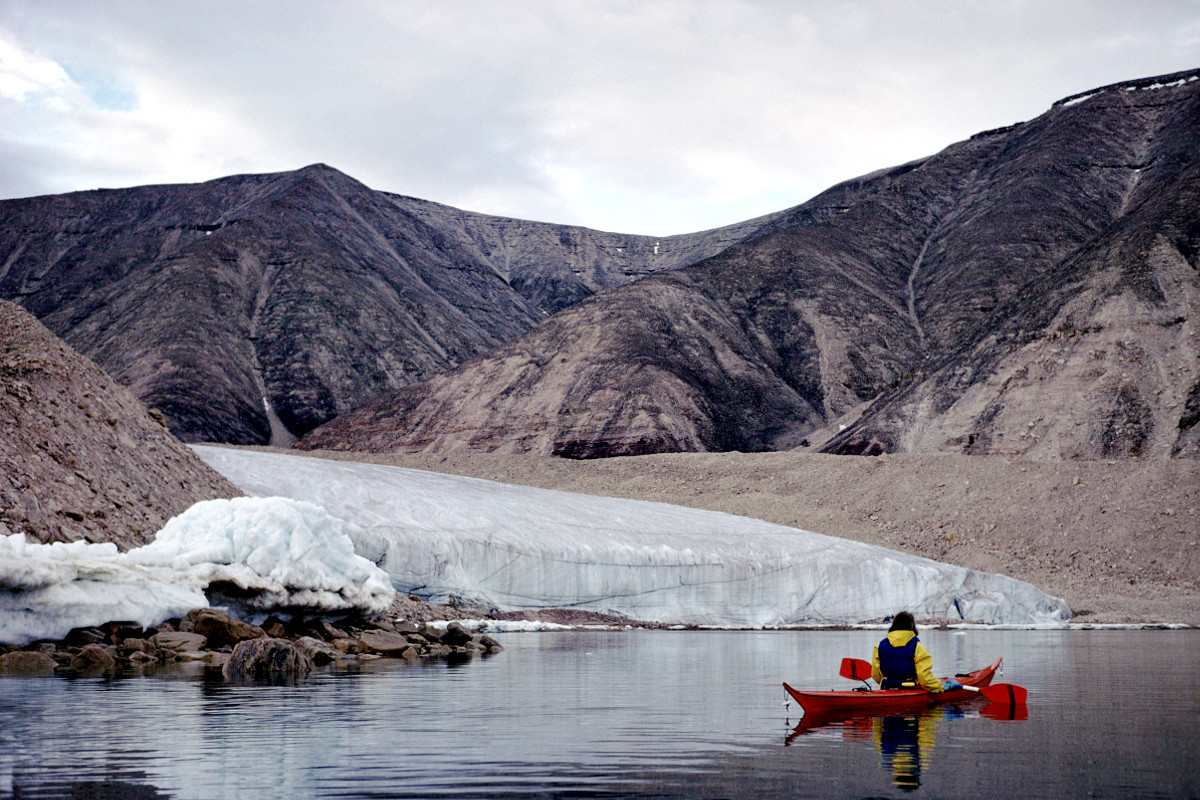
{"x": 855, "y": 669}
{"x": 1004, "y": 694}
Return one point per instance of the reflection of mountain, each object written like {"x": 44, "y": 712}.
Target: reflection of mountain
{"x": 1031, "y": 291}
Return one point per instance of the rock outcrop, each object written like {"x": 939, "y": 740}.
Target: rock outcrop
{"x": 80, "y": 457}
{"x": 1033, "y": 291}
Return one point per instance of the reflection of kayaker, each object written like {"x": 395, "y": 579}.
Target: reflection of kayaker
{"x": 902, "y": 662}
{"x": 904, "y": 743}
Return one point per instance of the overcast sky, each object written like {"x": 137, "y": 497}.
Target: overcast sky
{"x": 648, "y": 116}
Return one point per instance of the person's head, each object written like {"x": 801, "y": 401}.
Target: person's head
{"x": 903, "y": 621}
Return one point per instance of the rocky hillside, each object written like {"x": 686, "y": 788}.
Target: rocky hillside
{"x": 80, "y": 457}
{"x": 1032, "y": 291}
{"x": 255, "y": 307}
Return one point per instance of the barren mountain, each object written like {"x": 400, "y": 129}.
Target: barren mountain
{"x": 305, "y": 290}
{"x": 1032, "y": 291}
{"x": 80, "y": 457}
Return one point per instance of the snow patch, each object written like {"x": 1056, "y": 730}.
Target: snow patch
{"x": 515, "y": 625}
{"x": 1167, "y": 85}
{"x": 1081, "y": 98}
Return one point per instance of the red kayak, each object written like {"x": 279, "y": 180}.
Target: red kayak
{"x": 861, "y": 700}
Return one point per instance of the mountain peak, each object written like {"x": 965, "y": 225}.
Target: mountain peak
{"x": 1138, "y": 84}
{"x": 1029, "y": 292}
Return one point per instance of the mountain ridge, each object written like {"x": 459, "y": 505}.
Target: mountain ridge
{"x": 255, "y": 308}
{"x": 287, "y": 298}
{"x": 968, "y": 262}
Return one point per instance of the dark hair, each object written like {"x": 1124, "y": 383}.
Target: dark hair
{"x": 903, "y": 621}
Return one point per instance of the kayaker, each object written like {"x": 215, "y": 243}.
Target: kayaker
{"x": 901, "y": 661}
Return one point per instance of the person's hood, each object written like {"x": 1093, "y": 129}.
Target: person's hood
{"x": 900, "y": 638}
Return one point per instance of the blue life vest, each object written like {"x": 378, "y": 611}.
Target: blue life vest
{"x": 898, "y": 664}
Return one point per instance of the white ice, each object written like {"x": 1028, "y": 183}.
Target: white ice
{"x": 282, "y": 553}
{"x": 287, "y": 553}
{"x": 48, "y": 589}
{"x": 515, "y": 547}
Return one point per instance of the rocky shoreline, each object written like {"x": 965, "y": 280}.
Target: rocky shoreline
{"x": 286, "y": 651}
{"x": 278, "y": 651}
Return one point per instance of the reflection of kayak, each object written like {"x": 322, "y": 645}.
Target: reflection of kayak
{"x": 860, "y": 724}
{"x": 1005, "y": 713}
{"x": 861, "y": 701}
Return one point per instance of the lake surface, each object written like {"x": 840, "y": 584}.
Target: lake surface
{"x": 624, "y": 714}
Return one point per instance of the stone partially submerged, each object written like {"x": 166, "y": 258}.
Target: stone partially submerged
{"x": 267, "y": 660}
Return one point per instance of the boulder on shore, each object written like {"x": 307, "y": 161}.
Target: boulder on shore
{"x": 178, "y": 641}
{"x": 204, "y": 635}
{"x": 317, "y": 651}
{"x": 219, "y": 628}
{"x": 383, "y": 642}
{"x": 27, "y": 662}
{"x": 93, "y": 658}
{"x": 456, "y": 635}
{"x": 266, "y": 660}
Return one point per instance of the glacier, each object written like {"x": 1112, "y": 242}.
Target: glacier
{"x": 519, "y": 548}
{"x": 48, "y": 589}
{"x": 278, "y": 553}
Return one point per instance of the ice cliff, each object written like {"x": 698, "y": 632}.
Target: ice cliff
{"x": 515, "y": 547}
{"x": 271, "y": 553}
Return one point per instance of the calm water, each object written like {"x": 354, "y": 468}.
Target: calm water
{"x": 662, "y": 714}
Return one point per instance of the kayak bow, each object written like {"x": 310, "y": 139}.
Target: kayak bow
{"x": 824, "y": 702}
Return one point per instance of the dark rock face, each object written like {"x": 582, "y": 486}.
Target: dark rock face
{"x": 253, "y": 308}
{"x": 80, "y": 457}
{"x": 1032, "y": 291}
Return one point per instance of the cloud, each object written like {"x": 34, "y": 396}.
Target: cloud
{"x": 23, "y": 74}
{"x": 655, "y": 116}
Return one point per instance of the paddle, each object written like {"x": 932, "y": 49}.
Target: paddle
{"x": 1007, "y": 694}
{"x": 857, "y": 669}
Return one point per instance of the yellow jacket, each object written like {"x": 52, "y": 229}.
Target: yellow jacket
{"x": 923, "y": 662}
